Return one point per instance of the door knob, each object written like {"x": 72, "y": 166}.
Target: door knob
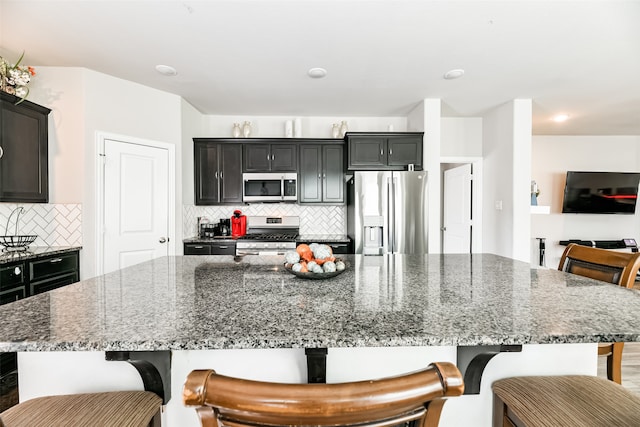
{"x": 162, "y": 240}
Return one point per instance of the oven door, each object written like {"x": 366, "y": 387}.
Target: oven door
{"x": 269, "y": 187}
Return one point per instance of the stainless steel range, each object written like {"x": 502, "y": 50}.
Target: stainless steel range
{"x": 269, "y": 235}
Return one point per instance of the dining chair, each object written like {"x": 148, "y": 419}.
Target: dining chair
{"x": 107, "y": 409}
{"x": 415, "y": 398}
{"x": 575, "y": 400}
{"x": 615, "y": 267}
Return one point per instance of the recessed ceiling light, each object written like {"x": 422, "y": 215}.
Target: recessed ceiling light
{"x": 166, "y": 70}
{"x": 454, "y": 74}
{"x": 317, "y": 73}
{"x": 561, "y": 118}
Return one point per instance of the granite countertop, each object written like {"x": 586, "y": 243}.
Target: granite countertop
{"x": 34, "y": 252}
{"x": 221, "y": 239}
{"x": 320, "y": 238}
{"x": 214, "y": 302}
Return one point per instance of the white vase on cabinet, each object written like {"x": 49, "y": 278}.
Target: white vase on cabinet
{"x": 246, "y": 129}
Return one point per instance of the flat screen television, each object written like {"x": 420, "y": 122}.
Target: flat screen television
{"x": 601, "y": 192}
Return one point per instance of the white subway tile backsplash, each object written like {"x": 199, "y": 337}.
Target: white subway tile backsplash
{"x": 54, "y": 224}
{"x": 313, "y": 219}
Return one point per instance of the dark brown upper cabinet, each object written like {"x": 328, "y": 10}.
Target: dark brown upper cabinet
{"x": 384, "y": 151}
{"x": 321, "y": 174}
{"x": 218, "y": 172}
{"x": 278, "y": 157}
{"x": 24, "y": 141}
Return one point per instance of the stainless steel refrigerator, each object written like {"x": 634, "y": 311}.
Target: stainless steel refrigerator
{"x": 387, "y": 212}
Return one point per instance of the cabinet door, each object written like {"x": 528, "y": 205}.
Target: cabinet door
{"x": 332, "y": 174}
{"x": 284, "y": 158}
{"x": 206, "y": 173}
{"x": 230, "y": 173}
{"x": 197, "y": 249}
{"x": 24, "y": 173}
{"x": 310, "y": 174}
{"x": 405, "y": 150}
{"x": 257, "y": 158}
{"x": 367, "y": 152}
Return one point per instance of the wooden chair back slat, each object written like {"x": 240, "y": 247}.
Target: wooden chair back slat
{"x": 235, "y": 402}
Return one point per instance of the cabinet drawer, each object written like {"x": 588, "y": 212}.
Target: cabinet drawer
{"x": 53, "y": 266}
{"x": 54, "y": 283}
{"x": 11, "y": 275}
{"x": 339, "y": 248}
{"x": 197, "y": 249}
{"x": 12, "y": 295}
{"x": 223, "y": 248}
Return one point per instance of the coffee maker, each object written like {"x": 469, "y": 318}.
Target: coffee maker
{"x": 225, "y": 227}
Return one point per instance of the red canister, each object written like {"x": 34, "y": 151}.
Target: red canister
{"x": 238, "y": 224}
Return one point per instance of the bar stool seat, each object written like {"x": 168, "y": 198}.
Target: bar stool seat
{"x": 565, "y": 400}
{"x": 108, "y": 409}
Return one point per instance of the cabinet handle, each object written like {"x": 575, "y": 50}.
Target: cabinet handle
{"x": 273, "y": 157}
{"x": 17, "y": 271}
{"x": 198, "y": 247}
{"x": 324, "y": 176}
{"x": 390, "y": 151}
{"x": 319, "y": 176}
{"x": 268, "y": 157}
{"x": 223, "y": 247}
{"x": 381, "y": 152}
{"x": 220, "y": 174}
{"x": 1, "y": 152}
{"x": 216, "y": 175}
{"x": 55, "y": 260}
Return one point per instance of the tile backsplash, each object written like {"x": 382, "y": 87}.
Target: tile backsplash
{"x": 54, "y": 224}
{"x": 313, "y": 219}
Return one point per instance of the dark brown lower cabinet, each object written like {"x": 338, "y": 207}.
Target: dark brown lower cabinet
{"x": 210, "y": 248}
{"x": 25, "y": 278}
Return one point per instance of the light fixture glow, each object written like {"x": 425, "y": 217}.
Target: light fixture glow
{"x": 317, "y": 73}
{"x": 559, "y": 118}
{"x": 166, "y": 70}
{"x": 454, "y": 74}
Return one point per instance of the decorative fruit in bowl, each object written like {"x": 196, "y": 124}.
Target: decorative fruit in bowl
{"x": 314, "y": 261}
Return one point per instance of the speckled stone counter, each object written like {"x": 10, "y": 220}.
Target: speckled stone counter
{"x": 320, "y": 238}
{"x": 220, "y": 239}
{"x": 214, "y": 302}
{"x": 34, "y": 252}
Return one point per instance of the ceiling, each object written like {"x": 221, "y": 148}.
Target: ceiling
{"x": 240, "y": 57}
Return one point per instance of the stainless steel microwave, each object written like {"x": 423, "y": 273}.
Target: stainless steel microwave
{"x": 269, "y": 187}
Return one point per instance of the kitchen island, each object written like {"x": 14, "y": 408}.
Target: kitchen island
{"x": 383, "y": 315}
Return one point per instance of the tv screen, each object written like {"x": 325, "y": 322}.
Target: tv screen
{"x": 601, "y": 192}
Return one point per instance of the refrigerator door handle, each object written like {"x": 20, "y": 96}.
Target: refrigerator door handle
{"x": 391, "y": 215}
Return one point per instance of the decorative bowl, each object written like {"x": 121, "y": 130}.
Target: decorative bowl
{"x": 17, "y": 243}
{"x": 315, "y": 276}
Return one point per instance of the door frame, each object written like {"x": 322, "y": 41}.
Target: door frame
{"x": 101, "y": 137}
{"x": 476, "y": 199}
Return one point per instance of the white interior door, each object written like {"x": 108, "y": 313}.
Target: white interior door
{"x": 457, "y": 210}
{"x": 136, "y": 203}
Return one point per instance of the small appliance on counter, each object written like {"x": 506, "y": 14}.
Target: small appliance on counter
{"x": 238, "y": 224}
{"x": 225, "y": 227}
{"x": 208, "y": 230}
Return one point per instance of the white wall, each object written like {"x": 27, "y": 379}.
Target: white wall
{"x": 312, "y": 127}
{"x": 552, "y": 157}
{"x": 461, "y": 137}
{"x": 507, "y": 164}
{"x": 84, "y": 102}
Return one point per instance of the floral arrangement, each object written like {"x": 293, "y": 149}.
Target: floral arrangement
{"x": 15, "y": 77}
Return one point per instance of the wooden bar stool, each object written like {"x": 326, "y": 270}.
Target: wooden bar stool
{"x": 109, "y": 409}
{"x": 416, "y": 398}
{"x": 615, "y": 267}
{"x": 575, "y": 400}
{"x": 563, "y": 400}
